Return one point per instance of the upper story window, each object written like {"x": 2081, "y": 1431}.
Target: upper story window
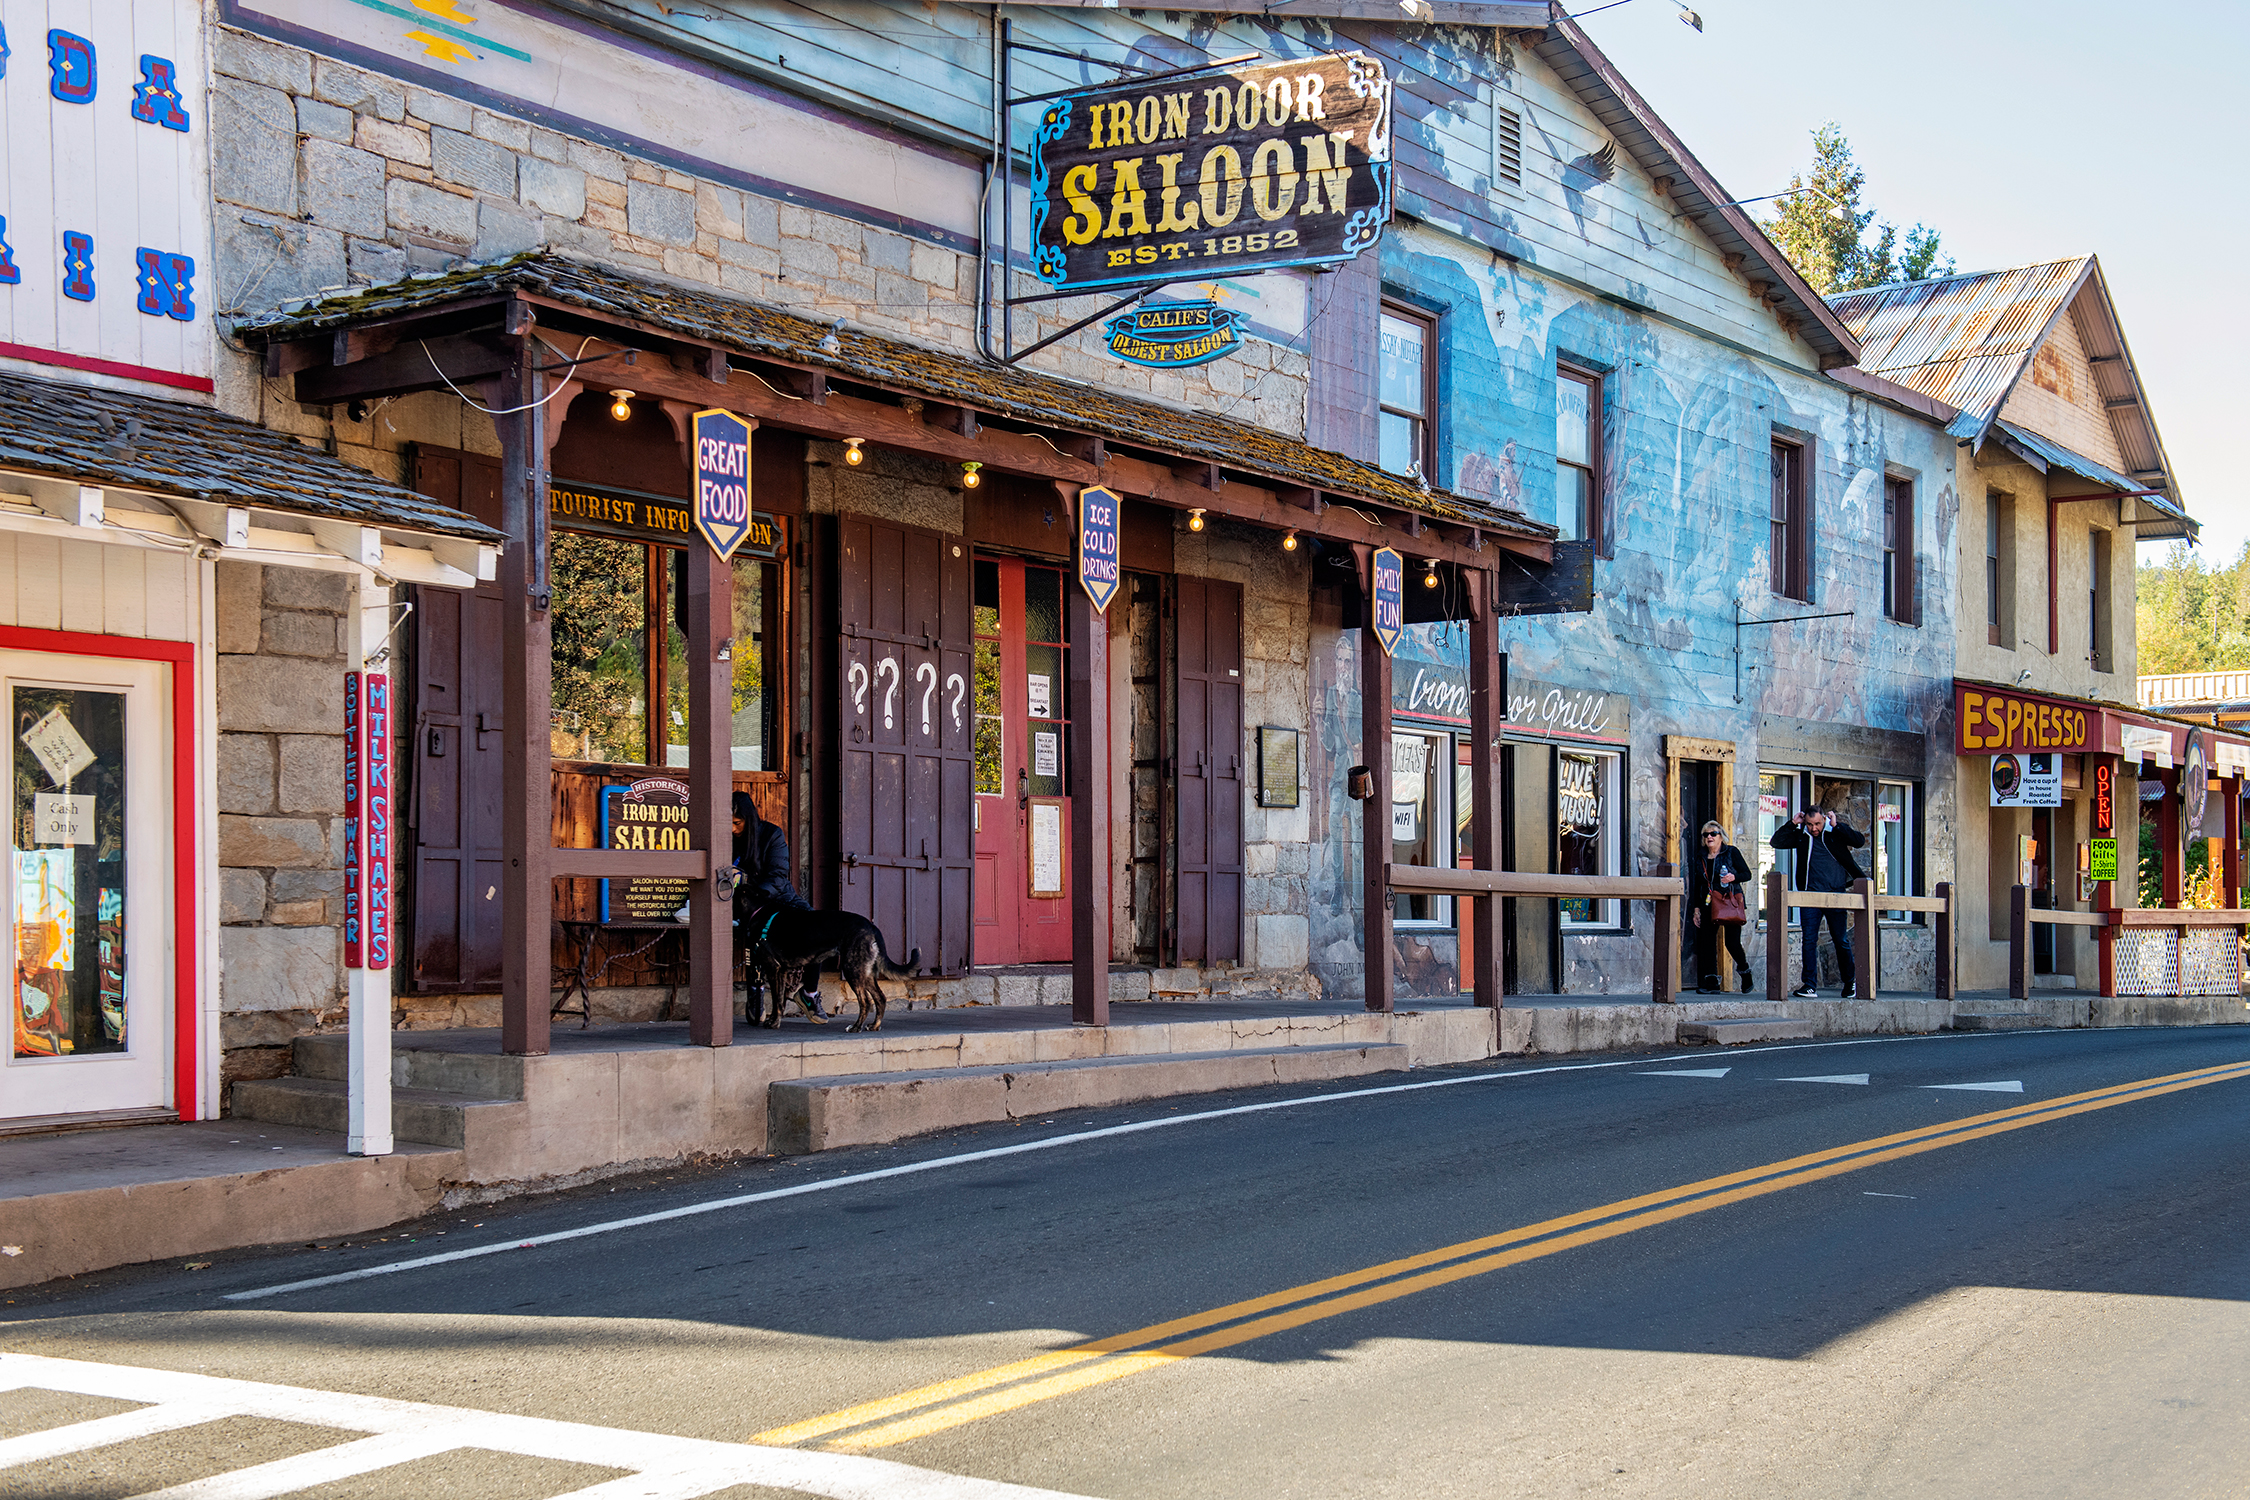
{"x": 1407, "y": 391}
{"x": 1578, "y": 453}
{"x": 1791, "y": 520}
{"x": 1999, "y": 571}
{"x": 1898, "y": 550}
{"x": 2097, "y": 601}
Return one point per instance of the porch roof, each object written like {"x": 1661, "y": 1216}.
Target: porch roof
{"x": 90, "y": 434}
{"x": 707, "y": 316}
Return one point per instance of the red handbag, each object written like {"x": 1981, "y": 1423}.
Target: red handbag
{"x": 1730, "y": 906}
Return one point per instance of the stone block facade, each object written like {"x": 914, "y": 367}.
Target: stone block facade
{"x": 281, "y": 642}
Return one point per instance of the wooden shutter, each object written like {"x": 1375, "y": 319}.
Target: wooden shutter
{"x": 1208, "y": 639}
{"x": 906, "y": 720}
{"x": 453, "y": 754}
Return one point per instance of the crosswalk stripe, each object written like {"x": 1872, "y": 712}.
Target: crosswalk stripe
{"x": 285, "y": 1476}
{"x": 57, "y": 1442}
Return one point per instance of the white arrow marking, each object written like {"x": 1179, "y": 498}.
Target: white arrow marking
{"x": 2012, "y": 1086}
{"x": 1828, "y": 1078}
{"x": 1691, "y": 1073}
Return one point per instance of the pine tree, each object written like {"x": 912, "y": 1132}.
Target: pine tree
{"x": 1824, "y": 232}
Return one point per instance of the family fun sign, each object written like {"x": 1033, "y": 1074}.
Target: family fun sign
{"x": 105, "y": 211}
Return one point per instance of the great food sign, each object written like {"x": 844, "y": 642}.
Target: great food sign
{"x": 1255, "y": 169}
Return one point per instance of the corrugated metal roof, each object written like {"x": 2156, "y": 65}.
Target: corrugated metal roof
{"x": 1960, "y": 339}
{"x": 135, "y": 442}
{"x": 707, "y": 316}
{"x": 2049, "y": 454}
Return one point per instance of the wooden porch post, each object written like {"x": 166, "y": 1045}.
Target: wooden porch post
{"x": 1488, "y": 709}
{"x": 710, "y": 668}
{"x": 527, "y": 891}
{"x": 1375, "y": 812}
{"x": 1089, "y": 809}
{"x": 2169, "y": 847}
{"x": 2233, "y": 853}
{"x": 1777, "y": 935}
{"x": 2019, "y": 942}
{"x": 1864, "y": 933}
{"x": 1945, "y": 920}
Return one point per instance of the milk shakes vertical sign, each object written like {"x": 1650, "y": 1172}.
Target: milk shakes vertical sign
{"x": 1098, "y": 571}
{"x": 367, "y": 820}
{"x": 105, "y": 204}
{"x": 1386, "y": 590}
{"x": 722, "y": 480}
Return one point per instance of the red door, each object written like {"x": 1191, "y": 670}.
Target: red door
{"x": 1022, "y": 763}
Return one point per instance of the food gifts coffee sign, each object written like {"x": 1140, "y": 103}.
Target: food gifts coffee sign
{"x": 1254, "y": 169}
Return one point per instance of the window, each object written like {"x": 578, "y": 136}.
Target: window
{"x": 1422, "y": 833}
{"x": 1894, "y": 841}
{"x": 1578, "y": 454}
{"x": 1587, "y": 842}
{"x": 1898, "y": 550}
{"x": 1999, "y": 576}
{"x": 618, "y": 701}
{"x": 2097, "y": 601}
{"x": 1507, "y": 147}
{"x": 1405, "y": 380}
{"x": 1790, "y": 521}
{"x": 1777, "y": 804}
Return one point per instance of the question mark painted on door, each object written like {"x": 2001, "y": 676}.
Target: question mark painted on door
{"x": 960, "y": 690}
{"x": 888, "y": 667}
{"x": 926, "y": 674}
{"x": 858, "y": 679}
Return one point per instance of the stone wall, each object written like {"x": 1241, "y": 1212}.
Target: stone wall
{"x": 327, "y": 176}
{"x": 281, "y": 642}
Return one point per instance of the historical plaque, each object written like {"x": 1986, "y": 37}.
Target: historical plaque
{"x": 1277, "y": 766}
{"x": 651, "y": 813}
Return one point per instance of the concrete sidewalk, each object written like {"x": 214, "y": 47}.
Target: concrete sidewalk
{"x": 475, "y": 1124}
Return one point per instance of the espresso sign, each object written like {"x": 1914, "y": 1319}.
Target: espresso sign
{"x": 1263, "y": 167}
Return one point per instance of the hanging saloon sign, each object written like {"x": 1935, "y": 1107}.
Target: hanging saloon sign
{"x": 1259, "y": 168}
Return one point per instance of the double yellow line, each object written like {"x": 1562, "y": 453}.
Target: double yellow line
{"x": 971, "y": 1398}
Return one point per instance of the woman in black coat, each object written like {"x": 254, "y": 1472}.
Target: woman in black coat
{"x": 1719, "y": 867}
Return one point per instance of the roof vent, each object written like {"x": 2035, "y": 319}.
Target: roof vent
{"x": 1507, "y": 146}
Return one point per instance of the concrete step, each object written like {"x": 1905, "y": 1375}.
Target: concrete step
{"x": 1750, "y": 1029}
{"x": 2002, "y": 1020}
{"x": 478, "y": 1075}
{"x": 429, "y": 1116}
{"x": 857, "y": 1109}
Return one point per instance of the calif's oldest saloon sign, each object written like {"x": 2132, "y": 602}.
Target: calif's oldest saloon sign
{"x": 1280, "y": 164}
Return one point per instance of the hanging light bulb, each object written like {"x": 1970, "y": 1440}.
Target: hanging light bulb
{"x": 970, "y": 479}
{"x": 1289, "y": 541}
{"x": 1195, "y": 519}
{"x": 852, "y": 455}
{"x": 621, "y": 404}
{"x": 1429, "y": 573}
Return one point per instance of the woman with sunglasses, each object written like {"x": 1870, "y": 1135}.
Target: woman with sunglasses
{"x": 1718, "y": 878}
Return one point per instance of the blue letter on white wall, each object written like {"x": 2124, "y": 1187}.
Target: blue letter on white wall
{"x": 78, "y": 266}
{"x": 167, "y": 284}
{"x": 71, "y": 60}
{"x": 156, "y": 98}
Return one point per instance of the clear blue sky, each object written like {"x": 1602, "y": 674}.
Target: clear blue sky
{"x": 2023, "y": 132}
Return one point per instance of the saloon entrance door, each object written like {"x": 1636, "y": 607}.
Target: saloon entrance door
{"x": 1022, "y": 763}
{"x": 89, "y": 884}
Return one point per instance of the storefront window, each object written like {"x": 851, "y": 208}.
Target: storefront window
{"x": 1777, "y": 804}
{"x": 1893, "y": 841}
{"x": 68, "y": 871}
{"x": 600, "y": 649}
{"x": 1587, "y": 833}
{"x": 990, "y": 735}
{"x": 1421, "y": 829}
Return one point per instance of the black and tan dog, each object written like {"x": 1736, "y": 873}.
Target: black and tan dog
{"x": 781, "y": 943}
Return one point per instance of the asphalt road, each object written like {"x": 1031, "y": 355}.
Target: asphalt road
{"x": 1600, "y": 1276}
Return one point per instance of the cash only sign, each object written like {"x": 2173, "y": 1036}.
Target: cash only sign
{"x": 1261, "y": 167}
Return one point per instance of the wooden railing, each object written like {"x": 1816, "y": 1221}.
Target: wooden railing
{"x": 2107, "y": 923}
{"x": 1864, "y": 902}
{"x": 1668, "y": 891}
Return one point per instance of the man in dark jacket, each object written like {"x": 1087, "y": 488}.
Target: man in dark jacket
{"x": 1824, "y": 862}
{"x": 761, "y": 853}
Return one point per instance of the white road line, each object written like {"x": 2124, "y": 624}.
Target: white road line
{"x": 102, "y": 1431}
{"x": 667, "y": 1466}
{"x": 1859, "y": 1078}
{"x": 302, "y": 1471}
{"x": 1051, "y": 1143}
{"x": 2012, "y": 1086}
{"x": 1690, "y": 1073}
